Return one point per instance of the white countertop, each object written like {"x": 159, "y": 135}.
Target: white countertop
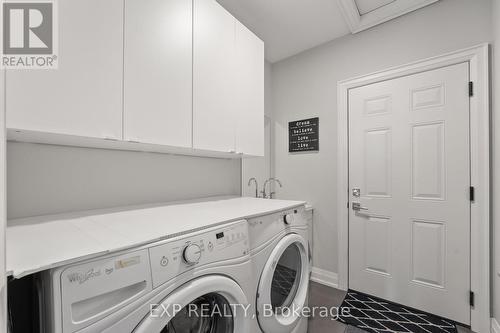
{"x": 38, "y": 243}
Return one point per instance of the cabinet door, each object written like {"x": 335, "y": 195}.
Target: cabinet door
{"x": 213, "y": 94}
{"x": 158, "y": 72}
{"x": 249, "y": 102}
{"x": 84, "y": 95}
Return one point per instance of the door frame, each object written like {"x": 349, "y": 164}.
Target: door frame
{"x": 478, "y": 59}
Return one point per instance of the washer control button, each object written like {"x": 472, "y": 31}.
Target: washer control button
{"x": 288, "y": 218}
{"x": 164, "y": 261}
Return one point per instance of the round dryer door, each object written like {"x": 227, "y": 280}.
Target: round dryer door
{"x": 211, "y": 304}
{"x": 283, "y": 286}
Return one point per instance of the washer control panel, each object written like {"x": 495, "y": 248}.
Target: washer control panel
{"x": 179, "y": 255}
{"x": 263, "y": 228}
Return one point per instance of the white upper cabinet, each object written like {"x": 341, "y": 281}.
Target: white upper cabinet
{"x": 249, "y": 83}
{"x": 154, "y": 75}
{"x": 213, "y": 85}
{"x": 228, "y": 95}
{"x": 158, "y": 72}
{"x": 83, "y": 96}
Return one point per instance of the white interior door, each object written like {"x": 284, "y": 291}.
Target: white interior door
{"x": 409, "y": 242}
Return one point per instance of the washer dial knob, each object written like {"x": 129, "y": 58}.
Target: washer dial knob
{"x": 191, "y": 254}
{"x": 288, "y": 218}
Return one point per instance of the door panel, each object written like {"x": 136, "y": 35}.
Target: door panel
{"x": 427, "y": 150}
{"x": 378, "y": 152}
{"x": 409, "y": 241}
{"x": 213, "y": 77}
{"x": 83, "y": 96}
{"x": 249, "y": 82}
{"x": 428, "y": 252}
{"x": 158, "y": 72}
{"x": 377, "y": 232}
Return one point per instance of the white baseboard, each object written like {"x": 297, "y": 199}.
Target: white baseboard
{"x": 495, "y": 326}
{"x": 325, "y": 277}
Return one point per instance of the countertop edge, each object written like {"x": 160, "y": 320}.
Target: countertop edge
{"x": 20, "y": 273}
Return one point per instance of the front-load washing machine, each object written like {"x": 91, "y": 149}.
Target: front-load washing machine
{"x": 193, "y": 283}
{"x": 280, "y": 256}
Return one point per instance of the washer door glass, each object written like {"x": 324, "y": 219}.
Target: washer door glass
{"x": 210, "y": 313}
{"x": 283, "y": 285}
{"x": 286, "y": 278}
{"x": 208, "y": 304}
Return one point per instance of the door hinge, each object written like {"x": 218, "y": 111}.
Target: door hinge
{"x": 471, "y": 298}
{"x": 472, "y": 193}
{"x": 471, "y": 89}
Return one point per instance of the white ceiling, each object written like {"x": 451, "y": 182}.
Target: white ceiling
{"x": 289, "y": 26}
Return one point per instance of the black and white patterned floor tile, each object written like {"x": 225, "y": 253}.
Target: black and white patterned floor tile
{"x": 375, "y": 315}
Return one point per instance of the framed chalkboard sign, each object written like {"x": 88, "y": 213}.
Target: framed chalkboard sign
{"x": 303, "y": 135}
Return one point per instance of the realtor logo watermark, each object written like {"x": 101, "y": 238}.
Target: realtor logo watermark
{"x": 29, "y": 34}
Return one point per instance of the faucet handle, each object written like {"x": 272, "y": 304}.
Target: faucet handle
{"x": 271, "y": 195}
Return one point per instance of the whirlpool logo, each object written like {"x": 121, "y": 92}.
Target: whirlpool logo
{"x": 29, "y": 35}
{"x": 84, "y": 277}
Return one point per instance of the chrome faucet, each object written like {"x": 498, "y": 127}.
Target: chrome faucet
{"x": 270, "y": 196}
{"x": 256, "y": 186}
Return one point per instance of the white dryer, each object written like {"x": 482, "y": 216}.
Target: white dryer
{"x": 192, "y": 283}
{"x": 280, "y": 256}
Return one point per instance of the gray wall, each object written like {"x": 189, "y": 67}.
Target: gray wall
{"x": 45, "y": 179}
{"x": 305, "y": 85}
{"x": 260, "y": 167}
{"x": 267, "y": 89}
{"x": 496, "y": 161}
